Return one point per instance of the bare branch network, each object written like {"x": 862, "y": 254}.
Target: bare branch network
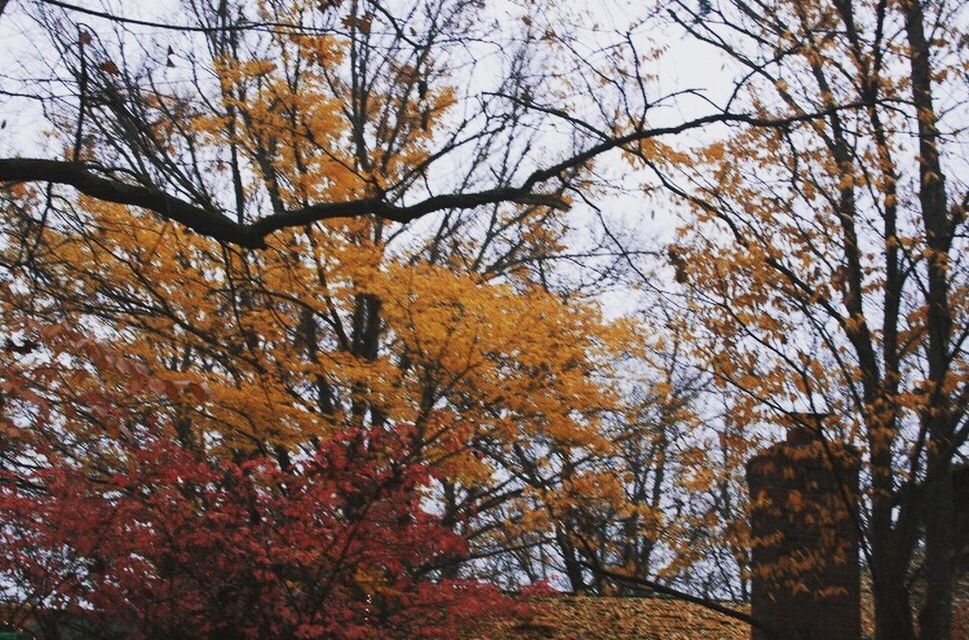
{"x": 215, "y": 224}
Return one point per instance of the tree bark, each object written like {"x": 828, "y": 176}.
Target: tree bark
{"x": 936, "y": 615}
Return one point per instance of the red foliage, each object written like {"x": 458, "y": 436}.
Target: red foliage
{"x": 154, "y": 540}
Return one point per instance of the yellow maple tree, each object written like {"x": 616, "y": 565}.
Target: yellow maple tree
{"x": 342, "y": 324}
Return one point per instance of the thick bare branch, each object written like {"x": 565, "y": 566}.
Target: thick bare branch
{"x": 220, "y": 227}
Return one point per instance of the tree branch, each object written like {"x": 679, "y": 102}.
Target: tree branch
{"x": 216, "y": 225}
{"x": 656, "y": 587}
{"x": 222, "y": 228}
{"x": 244, "y": 25}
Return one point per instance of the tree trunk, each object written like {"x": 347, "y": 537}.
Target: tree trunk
{"x": 893, "y": 611}
{"x": 936, "y": 616}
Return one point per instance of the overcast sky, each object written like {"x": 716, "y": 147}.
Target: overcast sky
{"x": 686, "y": 65}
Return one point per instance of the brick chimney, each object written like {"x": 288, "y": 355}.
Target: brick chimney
{"x": 805, "y": 582}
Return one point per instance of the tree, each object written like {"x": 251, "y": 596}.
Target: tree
{"x": 825, "y": 261}
{"x": 145, "y": 537}
{"x": 682, "y": 521}
{"x": 340, "y": 326}
{"x": 338, "y": 221}
{"x": 494, "y": 380}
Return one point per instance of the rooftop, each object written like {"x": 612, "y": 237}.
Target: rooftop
{"x": 568, "y": 617}
{"x": 617, "y": 618}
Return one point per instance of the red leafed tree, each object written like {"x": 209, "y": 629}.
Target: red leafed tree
{"x": 149, "y": 538}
